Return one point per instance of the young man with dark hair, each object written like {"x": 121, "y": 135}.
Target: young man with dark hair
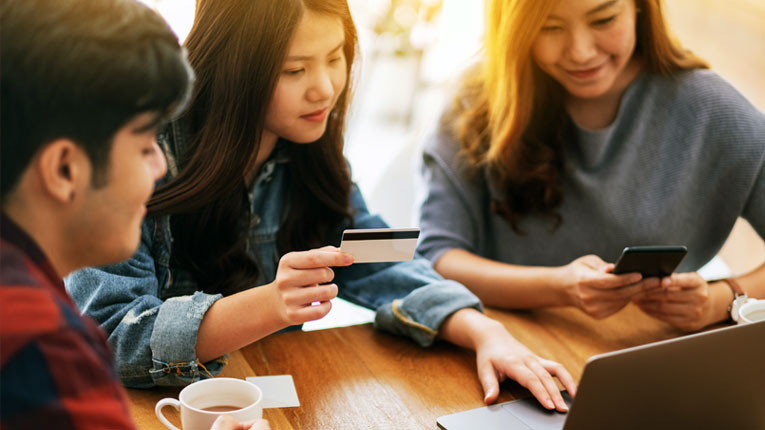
{"x": 85, "y": 84}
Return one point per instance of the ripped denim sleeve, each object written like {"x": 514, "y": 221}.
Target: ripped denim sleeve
{"x": 173, "y": 341}
{"x": 154, "y": 340}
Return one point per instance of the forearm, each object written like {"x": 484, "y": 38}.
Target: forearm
{"x": 504, "y": 285}
{"x": 753, "y": 283}
{"x": 236, "y": 321}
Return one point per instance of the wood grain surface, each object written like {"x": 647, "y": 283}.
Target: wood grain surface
{"x": 360, "y": 378}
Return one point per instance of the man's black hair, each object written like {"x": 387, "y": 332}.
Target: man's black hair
{"x": 82, "y": 69}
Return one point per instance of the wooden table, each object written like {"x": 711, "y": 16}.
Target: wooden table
{"x": 360, "y": 378}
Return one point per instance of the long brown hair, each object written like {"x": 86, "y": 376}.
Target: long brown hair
{"x": 237, "y": 49}
{"x": 510, "y": 117}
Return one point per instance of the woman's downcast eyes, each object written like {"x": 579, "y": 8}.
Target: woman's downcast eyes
{"x": 598, "y": 23}
{"x": 297, "y": 72}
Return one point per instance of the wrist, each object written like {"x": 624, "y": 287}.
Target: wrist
{"x": 470, "y": 328}
{"x": 719, "y": 297}
{"x": 560, "y": 284}
{"x": 489, "y": 331}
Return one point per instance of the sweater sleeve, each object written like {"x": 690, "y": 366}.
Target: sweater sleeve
{"x": 754, "y": 210}
{"x": 454, "y": 206}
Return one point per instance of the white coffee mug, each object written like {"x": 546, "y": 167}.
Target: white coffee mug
{"x": 203, "y": 401}
{"x": 751, "y": 311}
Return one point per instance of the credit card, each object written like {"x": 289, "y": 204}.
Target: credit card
{"x": 380, "y": 245}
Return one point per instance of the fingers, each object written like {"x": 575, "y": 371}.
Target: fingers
{"x": 298, "y": 305}
{"x": 677, "y": 285}
{"x": 309, "y": 312}
{"x": 565, "y": 378}
{"x": 290, "y": 277}
{"x": 528, "y": 371}
{"x": 549, "y": 385}
{"x": 683, "y": 280}
{"x": 640, "y": 288}
{"x": 317, "y": 258}
{"x": 529, "y": 379}
{"x": 489, "y": 381}
{"x": 297, "y": 269}
{"x": 316, "y": 311}
{"x": 676, "y": 295}
{"x": 611, "y": 281}
{"x": 309, "y": 295}
{"x": 504, "y": 357}
{"x": 302, "y": 287}
{"x": 601, "y": 303}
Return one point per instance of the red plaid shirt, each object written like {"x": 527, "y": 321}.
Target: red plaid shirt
{"x": 56, "y": 369}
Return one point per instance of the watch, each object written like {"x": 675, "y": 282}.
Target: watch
{"x": 739, "y": 297}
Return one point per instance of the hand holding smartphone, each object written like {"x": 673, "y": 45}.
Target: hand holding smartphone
{"x": 650, "y": 261}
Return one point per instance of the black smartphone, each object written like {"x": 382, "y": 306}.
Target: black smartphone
{"x": 650, "y": 260}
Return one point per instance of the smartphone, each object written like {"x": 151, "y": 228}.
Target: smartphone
{"x": 650, "y": 261}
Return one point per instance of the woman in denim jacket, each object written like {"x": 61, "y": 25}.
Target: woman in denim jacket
{"x": 234, "y": 246}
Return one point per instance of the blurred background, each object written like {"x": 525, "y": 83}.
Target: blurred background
{"x": 413, "y": 52}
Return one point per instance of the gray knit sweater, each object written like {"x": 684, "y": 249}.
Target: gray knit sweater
{"x": 683, "y": 159}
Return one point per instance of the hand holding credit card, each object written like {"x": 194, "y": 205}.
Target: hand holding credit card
{"x": 378, "y": 245}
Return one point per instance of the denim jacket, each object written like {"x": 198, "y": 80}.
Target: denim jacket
{"x": 151, "y": 311}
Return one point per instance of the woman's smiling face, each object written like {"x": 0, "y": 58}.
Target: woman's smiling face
{"x": 313, "y": 76}
{"x": 585, "y": 45}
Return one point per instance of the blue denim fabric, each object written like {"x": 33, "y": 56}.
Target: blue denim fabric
{"x": 151, "y": 311}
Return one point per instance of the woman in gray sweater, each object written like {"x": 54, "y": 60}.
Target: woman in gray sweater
{"x": 585, "y": 130}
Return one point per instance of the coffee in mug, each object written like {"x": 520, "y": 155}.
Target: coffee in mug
{"x": 224, "y": 408}
{"x": 202, "y": 402}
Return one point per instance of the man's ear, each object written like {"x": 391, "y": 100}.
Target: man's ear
{"x": 64, "y": 169}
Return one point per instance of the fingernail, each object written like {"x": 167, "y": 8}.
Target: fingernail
{"x": 550, "y": 404}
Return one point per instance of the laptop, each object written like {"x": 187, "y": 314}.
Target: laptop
{"x": 714, "y": 380}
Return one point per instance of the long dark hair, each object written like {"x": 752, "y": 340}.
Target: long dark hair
{"x": 510, "y": 117}
{"x": 237, "y": 48}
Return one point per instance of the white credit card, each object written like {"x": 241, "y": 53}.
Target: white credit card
{"x": 379, "y": 245}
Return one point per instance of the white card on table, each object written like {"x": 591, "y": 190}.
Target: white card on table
{"x": 278, "y": 391}
{"x": 378, "y": 245}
